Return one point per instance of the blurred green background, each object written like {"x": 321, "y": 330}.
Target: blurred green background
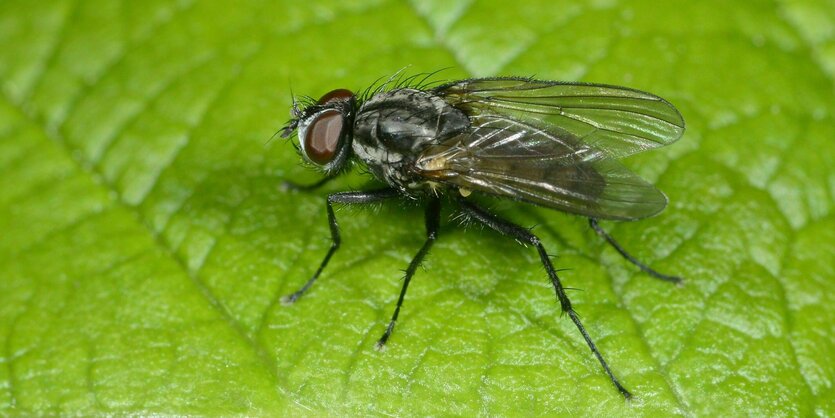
{"x": 145, "y": 243}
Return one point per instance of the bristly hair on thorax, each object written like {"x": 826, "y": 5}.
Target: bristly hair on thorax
{"x": 398, "y": 80}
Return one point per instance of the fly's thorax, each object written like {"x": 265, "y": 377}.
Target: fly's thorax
{"x": 391, "y": 129}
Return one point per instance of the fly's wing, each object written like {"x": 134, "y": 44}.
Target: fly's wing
{"x": 616, "y": 120}
{"x": 545, "y": 166}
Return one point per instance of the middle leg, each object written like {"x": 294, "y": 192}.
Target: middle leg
{"x": 524, "y": 236}
{"x": 433, "y": 220}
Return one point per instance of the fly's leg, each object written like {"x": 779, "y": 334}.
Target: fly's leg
{"x": 645, "y": 268}
{"x": 347, "y": 198}
{"x": 520, "y": 234}
{"x": 433, "y": 220}
{"x": 289, "y": 185}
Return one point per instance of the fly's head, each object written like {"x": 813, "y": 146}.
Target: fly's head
{"x": 325, "y": 129}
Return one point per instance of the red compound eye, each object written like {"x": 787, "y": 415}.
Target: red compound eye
{"x": 335, "y": 95}
{"x": 322, "y": 137}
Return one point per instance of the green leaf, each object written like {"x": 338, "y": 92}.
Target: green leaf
{"x": 145, "y": 243}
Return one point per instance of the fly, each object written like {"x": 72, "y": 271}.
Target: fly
{"x": 552, "y": 144}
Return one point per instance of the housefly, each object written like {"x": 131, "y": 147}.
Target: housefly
{"x": 552, "y": 144}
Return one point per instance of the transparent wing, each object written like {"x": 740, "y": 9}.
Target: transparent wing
{"x": 548, "y": 167}
{"x": 616, "y": 120}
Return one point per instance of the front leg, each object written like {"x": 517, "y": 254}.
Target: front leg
{"x": 347, "y": 198}
{"x": 290, "y": 185}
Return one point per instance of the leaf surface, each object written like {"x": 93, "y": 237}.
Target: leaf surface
{"x": 145, "y": 242}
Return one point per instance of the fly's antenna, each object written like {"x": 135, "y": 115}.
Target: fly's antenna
{"x": 295, "y": 113}
{"x": 287, "y": 129}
